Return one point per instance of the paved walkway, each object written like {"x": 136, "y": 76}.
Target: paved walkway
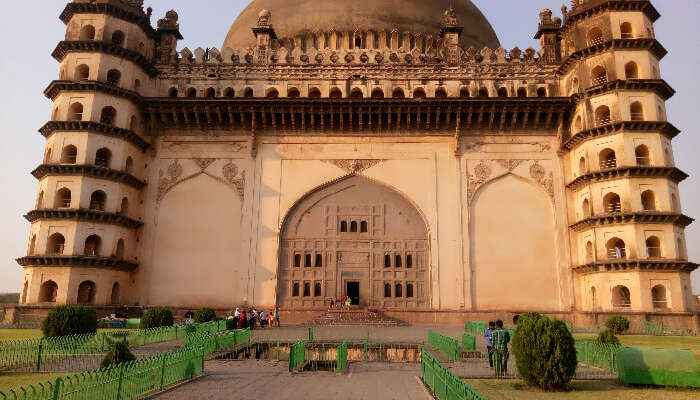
{"x": 271, "y": 380}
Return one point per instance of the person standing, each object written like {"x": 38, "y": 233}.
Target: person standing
{"x": 500, "y": 339}
{"x": 489, "y": 341}
{"x": 277, "y": 316}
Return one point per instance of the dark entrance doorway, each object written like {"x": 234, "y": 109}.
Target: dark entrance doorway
{"x": 352, "y": 290}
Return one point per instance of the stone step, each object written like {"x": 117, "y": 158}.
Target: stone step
{"x": 354, "y": 317}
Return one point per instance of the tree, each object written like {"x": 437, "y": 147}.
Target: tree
{"x": 69, "y": 320}
{"x": 617, "y": 324}
{"x": 157, "y": 317}
{"x": 204, "y": 315}
{"x": 607, "y": 336}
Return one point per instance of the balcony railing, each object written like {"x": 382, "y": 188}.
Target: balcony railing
{"x": 613, "y": 208}
{"x": 608, "y": 164}
{"x": 58, "y": 249}
{"x": 602, "y": 121}
{"x": 101, "y": 162}
{"x": 596, "y": 41}
{"x": 97, "y": 206}
{"x": 70, "y": 159}
{"x": 660, "y": 303}
{"x": 627, "y": 35}
{"x": 75, "y": 116}
{"x": 617, "y": 253}
{"x": 643, "y": 161}
{"x": 637, "y": 116}
{"x": 64, "y": 203}
{"x": 601, "y": 80}
{"x": 654, "y": 252}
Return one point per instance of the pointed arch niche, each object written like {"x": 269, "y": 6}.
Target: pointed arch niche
{"x": 513, "y": 246}
{"x": 197, "y": 244}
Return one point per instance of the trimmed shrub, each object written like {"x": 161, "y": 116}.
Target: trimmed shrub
{"x": 69, "y": 320}
{"x": 544, "y": 351}
{"x": 204, "y": 315}
{"x": 607, "y": 336}
{"x": 617, "y": 324}
{"x": 156, "y": 317}
{"x": 117, "y": 354}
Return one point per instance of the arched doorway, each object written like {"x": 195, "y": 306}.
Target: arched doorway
{"x": 352, "y": 262}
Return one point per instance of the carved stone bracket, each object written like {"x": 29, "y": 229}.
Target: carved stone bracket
{"x": 539, "y": 174}
{"x": 203, "y": 163}
{"x": 174, "y": 172}
{"x": 354, "y": 166}
{"x": 230, "y": 173}
{"x": 483, "y": 173}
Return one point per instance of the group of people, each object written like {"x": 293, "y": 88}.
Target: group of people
{"x": 251, "y": 318}
{"x": 497, "y": 339}
{"x": 342, "y": 304}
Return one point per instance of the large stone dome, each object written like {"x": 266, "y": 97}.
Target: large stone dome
{"x": 294, "y": 17}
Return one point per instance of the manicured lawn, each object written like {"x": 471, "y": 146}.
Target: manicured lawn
{"x": 13, "y": 380}
{"x": 15, "y": 334}
{"x": 657, "y": 342}
{"x": 494, "y": 389}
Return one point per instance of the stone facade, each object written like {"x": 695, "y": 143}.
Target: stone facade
{"x": 415, "y": 171}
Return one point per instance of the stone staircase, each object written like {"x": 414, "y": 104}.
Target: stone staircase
{"x": 354, "y": 317}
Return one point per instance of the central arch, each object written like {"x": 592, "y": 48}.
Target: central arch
{"x": 354, "y": 237}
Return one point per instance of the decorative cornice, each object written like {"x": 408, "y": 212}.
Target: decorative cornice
{"x": 83, "y": 215}
{"x": 651, "y": 45}
{"x": 598, "y": 6}
{"x": 674, "y": 174}
{"x": 77, "y": 261}
{"x": 56, "y": 87}
{"x": 622, "y": 265}
{"x": 94, "y": 127}
{"x": 135, "y": 17}
{"x": 354, "y": 166}
{"x": 658, "y": 86}
{"x": 91, "y": 171}
{"x": 645, "y": 217}
{"x": 662, "y": 127}
{"x": 93, "y": 46}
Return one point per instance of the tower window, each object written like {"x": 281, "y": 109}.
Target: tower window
{"x": 191, "y": 93}
{"x": 409, "y": 290}
{"x": 297, "y": 260}
{"x": 602, "y": 116}
{"x": 63, "y": 198}
{"x": 631, "y": 70}
{"x": 419, "y": 94}
{"x": 595, "y": 37}
{"x": 659, "y": 298}
{"x": 387, "y": 290}
{"x": 307, "y": 289}
{"x": 608, "y": 159}
{"x": 502, "y": 92}
{"x": 397, "y": 261}
{"x": 541, "y": 92}
{"x": 353, "y": 226}
{"x": 616, "y": 249}
{"x": 97, "y": 200}
{"x": 307, "y": 260}
{"x": 626, "y": 30}
{"x": 319, "y": 260}
{"x": 314, "y": 93}
{"x": 229, "y": 93}
{"x": 69, "y": 155}
{"x": 335, "y": 93}
{"x": 82, "y": 72}
{"x": 87, "y": 32}
{"x": 317, "y": 289}
{"x": 599, "y": 76}
{"x": 440, "y": 93}
{"x": 363, "y": 226}
{"x": 56, "y": 244}
{"x": 637, "y": 111}
{"x": 409, "y": 261}
{"x": 113, "y": 77}
{"x": 621, "y": 297}
{"x": 172, "y": 92}
{"x": 108, "y": 115}
{"x": 293, "y": 93}
{"x": 612, "y": 203}
{"x": 92, "y": 246}
{"x": 48, "y": 292}
{"x": 118, "y": 38}
{"x": 387, "y": 261}
{"x": 653, "y": 247}
{"x": 398, "y": 290}
{"x": 343, "y": 226}
{"x": 377, "y": 93}
{"x": 648, "y": 201}
{"x": 75, "y": 112}
{"x": 103, "y": 157}
{"x": 211, "y": 93}
{"x": 295, "y": 289}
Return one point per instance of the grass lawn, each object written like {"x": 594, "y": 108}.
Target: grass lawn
{"x": 657, "y": 342}
{"x": 494, "y": 389}
{"x": 14, "y": 334}
{"x": 13, "y": 380}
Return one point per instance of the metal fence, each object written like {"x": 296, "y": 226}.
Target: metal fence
{"x": 476, "y": 328}
{"x": 598, "y": 354}
{"x": 297, "y": 354}
{"x": 342, "y": 356}
{"x": 446, "y": 344}
{"x": 468, "y": 342}
{"x": 656, "y": 329}
{"x": 443, "y": 383}
{"x": 213, "y": 342}
{"x": 125, "y": 381}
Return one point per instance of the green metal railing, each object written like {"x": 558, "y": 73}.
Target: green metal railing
{"x": 476, "y": 328}
{"x": 657, "y": 329}
{"x": 297, "y": 354}
{"x": 468, "y": 342}
{"x": 443, "y": 383}
{"x": 213, "y": 342}
{"x": 598, "y": 354}
{"x": 123, "y": 382}
{"x": 446, "y": 344}
{"x": 342, "y": 356}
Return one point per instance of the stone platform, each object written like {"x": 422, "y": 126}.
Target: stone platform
{"x": 354, "y": 317}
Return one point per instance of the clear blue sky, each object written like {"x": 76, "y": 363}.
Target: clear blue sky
{"x": 31, "y": 30}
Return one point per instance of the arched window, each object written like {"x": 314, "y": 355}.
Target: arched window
{"x": 578, "y": 124}
{"x": 293, "y": 93}
{"x": 574, "y": 86}
{"x": 248, "y": 93}
{"x": 113, "y": 77}
{"x": 297, "y": 260}
{"x": 172, "y": 92}
{"x": 82, "y": 72}
{"x": 586, "y": 209}
{"x": 317, "y": 289}
{"x": 653, "y": 247}
{"x": 641, "y": 153}
{"x": 599, "y": 76}
{"x": 440, "y": 93}
{"x": 272, "y": 93}
{"x": 363, "y": 226}
{"x": 387, "y": 261}
{"x": 387, "y": 290}
{"x": 626, "y": 30}
{"x": 319, "y": 260}
{"x": 86, "y": 292}
{"x": 594, "y": 298}
{"x": 124, "y": 208}
{"x": 595, "y": 37}
{"x": 32, "y": 246}
{"x": 621, "y": 297}
{"x": 483, "y": 92}
{"x": 133, "y": 123}
{"x": 63, "y": 198}
{"x": 589, "y": 252}
{"x": 48, "y": 292}
{"x": 464, "y": 92}
{"x": 40, "y": 201}
{"x": 648, "y": 201}
{"x": 659, "y": 298}
{"x": 637, "y": 111}
{"x": 295, "y": 289}
{"x": 103, "y": 157}
{"x": 358, "y": 42}
{"x": 191, "y": 93}
{"x": 69, "y": 155}
{"x": 137, "y": 84}
{"x": 114, "y": 298}
{"x": 582, "y": 169}
{"x": 356, "y": 93}
{"x": 616, "y": 249}
{"x": 608, "y": 159}
{"x": 335, "y": 93}
{"x": 409, "y": 290}
{"x": 398, "y": 290}
{"x": 409, "y": 260}
{"x": 87, "y": 32}
{"x": 397, "y": 261}
{"x": 377, "y": 93}
{"x": 56, "y": 244}
{"x": 307, "y": 260}
{"x": 502, "y": 92}
{"x": 419, "y": 93}
{"x": 75, "y": 112}
{"x": 631, "y": 70}
{"x": 97, "y": 200}
{"x": 612, "y": 204}
{"x": 119, "y": 251}
{"x": 398, "y": 94}
{"x": 108, "y": 115}
{"x": 522, "y": 92}
{"x": 307, "y": 289}
{"x": 118, "y": 38}
{"x": 211, "y": 93}
{"x": 343, "y": 226}
{"x": 129, "y": 165}
{"x": 353, "y": 226}
{"x": 314, "y": 93}
{"x": 229, "y": 93}
{"x": 92, "y": 246}
{"x": 541, "y": 92}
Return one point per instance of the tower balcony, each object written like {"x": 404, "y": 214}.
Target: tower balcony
{"x": 83, "y": 215}
{"x": 92, "y": 171}
{"x": 50, "y": 260}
